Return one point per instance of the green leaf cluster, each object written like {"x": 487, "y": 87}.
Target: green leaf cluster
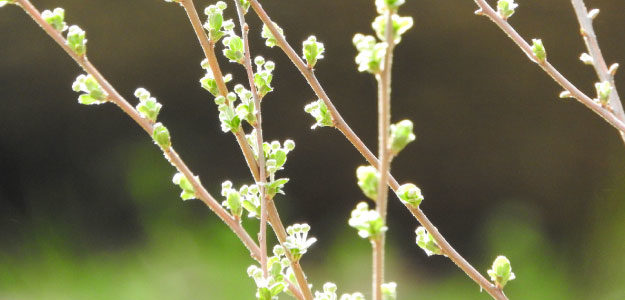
{"x": 215, "y": 24}
{"x": 410, "y": 194}
{"x": 369, "y": 223}
{"x": 208, "y": 82}
{"x": 188, "y": 192}
{"x": 268, "y": 288}
{"x": 297, "y": 241}
{"x": 426, "y": 241}
{"x": 313, "y": 51}
{"x": 234, "y": 48}
{"x": 501, "y": 271}
{"x": 160, "y": 135}
{"x": 91, "y": 89}
{"x": 319, "y": 111}
{"x": 539, "y": 50}
{"x": 370, "y": 53}
{"x": 56, "y": 18}
{"x": 506, "y": 8}
{"x": 400, "y": 26}
{"x": 401, "y": 135}
{"x": 263, "y": 76}
{"x": 368, "y": 178}
{"x": 76, "y": 40}
{"x": 148, "y": 107}
{"x": 270, "y": 40}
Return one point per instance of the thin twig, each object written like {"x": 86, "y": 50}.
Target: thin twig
{"x": 247, "y": 63}
{"x": 208, "y": 47}
{"x": 170, "y": 153}
{"x": 384, "y": 165}
{"x": 607, "y": 115}
{"x": 342, "y": 126}
{"x": 598, "y": 62}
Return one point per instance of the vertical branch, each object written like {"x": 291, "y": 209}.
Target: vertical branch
{"x": 247, "y": 63}
{"x": 598, "y": 62}
{"x": 384, "y": 164}
{"x": 209, "y": 51}
{"x": 349, "y": 134}
{"x": 268, "y": 208}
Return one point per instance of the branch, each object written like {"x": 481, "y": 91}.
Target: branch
{"x": 606, "y": 114}
{"x": 384, "y": 165}
{"x": 209, "y": 51}
{"x": 247, "y": 63}
{"x": 598, "y": 62}
{"x": 342, "y": 126}
{"x": 170, "y": 153}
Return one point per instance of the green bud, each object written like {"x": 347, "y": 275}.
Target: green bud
{"x": 410, "y": 194}
{"x": 215, "y": 21}
{"x": 501, "y": 271}
{"x": 76, "y": 40}
{"x": 234, "y": 203}
{"x": 270, "y": 39}
{"x": 400, "y": 26}
{"x": 219, "y": 100}
{"x": 604, "y": 89}
{"x": 93, "y": 92}
{"x": 539, "y": 50}
{"x": 289, "y": 145}
{"x": 56, "y": 18}
{"x": 319, "y": 111}
{"x": 389, "y": 291}
{"x": 188, "y": 192}
{"x": 426, "y": 241}
{"x": 263, "y": 76}
{"x": 368, "y": 178}
{"x": 370, "y": 53}
{"x": 313, "y": 51}
{"x": 586, "y": 59}
{"x": 401, "y": 135}
{"x": 148, "y": 107}
{"x": 369, "y": 223}
{"x": 506, "y": 8}
{"x": 234, "y": 48}
{"x": 245, "y": 4}
{"x": 161, "y": 136}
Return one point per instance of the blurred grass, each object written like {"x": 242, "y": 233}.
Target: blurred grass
{"x": 184, "y": 252}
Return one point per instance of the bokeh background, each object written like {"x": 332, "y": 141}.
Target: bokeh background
{"x": 88, "y": 211}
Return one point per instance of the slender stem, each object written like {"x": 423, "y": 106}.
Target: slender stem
{"x": 598, "y": 62}
{"x": 342, "y": 126}
{"x": 384, "y": 165}
{"x": 208, "y": 47}
{"x": 278, "y": 228}
{"x": 170, "y": 153}
{"x": 247, "y": 63}
{"x": 606, "y": 114}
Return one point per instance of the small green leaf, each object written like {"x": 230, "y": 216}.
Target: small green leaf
{"x": 368, "y": 178}
{"x": 56, "y": 18}
{"x": 539, "y": 50}
{"x": 506, "y": 8}
{"x": 313, "y": 51}
{"x": 76, "y": 40}
{"x": 161, "y": 136}
{"x": 319, "y": 111}
{"x": 188, "y": 192}
{"x": 400, "y": 26}
{"x": 604, "y": 89}
{"x": 501, "y": 271}
{"x": 93, "y": 92}
{"x": 426, "y": 241}
{"x": 401, "y": 135}
{"x": 410, "y": 194}
{"x": 270, "y": 39}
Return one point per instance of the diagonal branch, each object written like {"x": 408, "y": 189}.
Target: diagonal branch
{"x": 170, "y": 153}
{"x": 598, "y": 62}
{"x": 209, "y": 51}
{"x": 607, "y": 115}
{"x": 349, "y": 134}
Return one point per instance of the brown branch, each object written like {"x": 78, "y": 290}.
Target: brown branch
{"x": 209, "y": 51}
{"x": 598, "y": 62}
{"x": 342, "y": 126}
{"x": 170, "y": 154}
{"x": 606, "y": 114}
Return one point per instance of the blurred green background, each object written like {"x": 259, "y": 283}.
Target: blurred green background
{"x": 88, "y": 211}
